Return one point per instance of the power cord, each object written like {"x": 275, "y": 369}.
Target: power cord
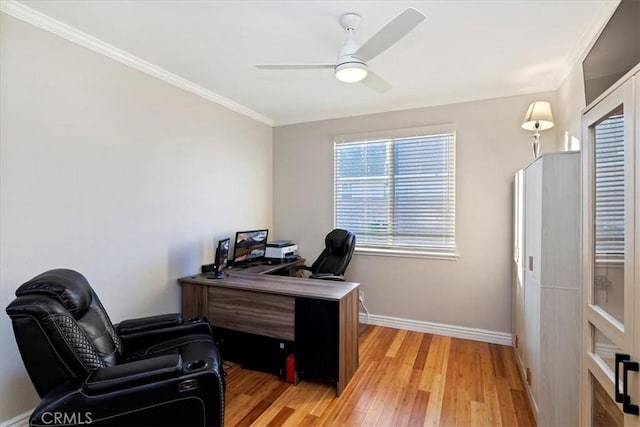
{"x": 365, "y": 309}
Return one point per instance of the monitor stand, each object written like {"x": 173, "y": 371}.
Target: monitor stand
{"x": 217, "y": 275}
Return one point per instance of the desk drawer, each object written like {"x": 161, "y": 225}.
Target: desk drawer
{"x": 253, "y": 312}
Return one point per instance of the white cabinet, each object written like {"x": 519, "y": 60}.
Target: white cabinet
{"x": 518, "y": 269}
{"x": 547, "y": 285}
{"x": 611, "y": 256}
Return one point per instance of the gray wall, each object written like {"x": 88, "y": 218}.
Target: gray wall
{"x": 568, "y": 110}
{"x": 116, "y": 174}
{"x": 473, "y": 291}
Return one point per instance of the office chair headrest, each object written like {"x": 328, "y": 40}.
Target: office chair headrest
{"x": 338, "y": 242}
{"x": 68, "y": 287}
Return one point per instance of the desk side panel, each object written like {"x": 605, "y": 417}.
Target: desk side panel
{"x": 348, "y": 330}
{"x": 194, "y": 300}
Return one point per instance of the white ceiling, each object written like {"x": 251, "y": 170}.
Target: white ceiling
{"x": 464, "y": 50}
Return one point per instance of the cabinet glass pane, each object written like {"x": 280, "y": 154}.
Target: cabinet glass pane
{"x": 605, "y": 349}
{"x": 605, "y": 412}
{"x": 608, "y": 286}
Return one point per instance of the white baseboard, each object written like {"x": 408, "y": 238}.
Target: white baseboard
{"x": 474, "y": 334}
{"x": 21, "y": 420}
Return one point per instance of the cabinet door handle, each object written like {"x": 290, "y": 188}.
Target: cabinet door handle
{"x": 620, "y": 358}
{"x": 627, "y": 406}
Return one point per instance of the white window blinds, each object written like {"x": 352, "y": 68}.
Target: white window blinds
{"x": 398, "y": 193}
{"x": 609, "y": 185}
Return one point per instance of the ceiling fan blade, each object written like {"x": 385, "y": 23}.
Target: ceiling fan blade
{"x": 390, "y": 34}
{"x": 295, "y": 66}
{"x": 375, "y": 82}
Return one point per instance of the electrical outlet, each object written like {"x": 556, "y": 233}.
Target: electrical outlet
{"x": 361, "y": 296}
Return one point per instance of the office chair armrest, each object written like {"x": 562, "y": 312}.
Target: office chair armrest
{"x": 141, "y": 324}
{"x": 127, "y": 375}
{"x": 327, "y": 276}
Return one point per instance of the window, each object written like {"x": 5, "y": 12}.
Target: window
{"x": 609, "y": 185}
{"x": 398, "y": 194}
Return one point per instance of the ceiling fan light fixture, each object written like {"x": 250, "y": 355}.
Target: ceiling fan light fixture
{"x": 351, "y": 72}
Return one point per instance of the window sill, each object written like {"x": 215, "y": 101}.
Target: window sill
{"x": 405, "y": 253}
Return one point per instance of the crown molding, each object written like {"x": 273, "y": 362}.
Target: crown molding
{"x": 587, "y": 39}
{"x": 40, "y": 20}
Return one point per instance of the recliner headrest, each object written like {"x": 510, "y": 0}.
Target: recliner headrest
{"x": 69, "y": 287}
{"x": 337, "y": 242}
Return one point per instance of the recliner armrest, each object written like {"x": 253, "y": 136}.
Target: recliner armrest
{"x": 132, "y": 374}
{"x": 327, "y": 276}
{"x": 134, "y": 341}
{"x": 142, "y": 324}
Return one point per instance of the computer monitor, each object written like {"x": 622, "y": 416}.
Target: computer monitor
{"x": 250, "y": 246}
{"x": 222, "y": 259}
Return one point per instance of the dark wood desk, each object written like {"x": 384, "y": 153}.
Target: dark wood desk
{"x": 319, "y": 317}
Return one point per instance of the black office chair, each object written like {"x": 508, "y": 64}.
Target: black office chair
{"x": 153, "y": 371}
{"x": 334, "y": 259}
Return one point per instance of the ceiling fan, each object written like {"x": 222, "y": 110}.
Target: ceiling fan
{"x": 351, "y": 65}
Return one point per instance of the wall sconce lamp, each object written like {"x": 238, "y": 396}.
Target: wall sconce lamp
{"x": 538, "y": 118}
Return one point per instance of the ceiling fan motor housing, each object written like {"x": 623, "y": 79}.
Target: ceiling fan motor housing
{"x": 350, "y": 68}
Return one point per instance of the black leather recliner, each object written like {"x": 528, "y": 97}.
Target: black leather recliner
{"x": 334, "y": 259}
{"x": 154, "y": 371}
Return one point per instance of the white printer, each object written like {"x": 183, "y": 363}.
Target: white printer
{"x": 280, "y": 251}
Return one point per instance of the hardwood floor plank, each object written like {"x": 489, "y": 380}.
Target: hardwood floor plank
{"x": 434, "y": 407}
{"x": 436, "y": 362}
{"x": 253, "y": 415}
{"x": 489, "y": 387}
{"x": 453, "y": 383}
{"x": 371, "y": 400}
{"x": 405, "y": 378}
{"x": 361, "y": 395}
{"x": 381, "y": 343}
{"x": 281, "y": 417}
{"x": 498, "y": 361}
{"x": 305, "y": 400}
{"x": 421, "y": 357}
{"x": 310, "y": 420}
{"x": 507, "y": 410}
{"x": 325, "y": 400}
{"x": 385, "y": 405}
{"x": 479, "y": 414}
{"x": 282, "y": 401}
{"x": 524, "y": 415}
{"x": 405, "y": 361}
{"x": 511, "y": 368}
{"x": 396, "y": 343}
{"x": 406, "y": 406}
{"x": 475, "y": 379}
{"x": 419, "y": 410}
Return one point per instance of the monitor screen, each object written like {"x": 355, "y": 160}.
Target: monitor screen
{"x": 222, "y": 254}
{"x": 250, "y": 245}
{"x": 221, "y": 261}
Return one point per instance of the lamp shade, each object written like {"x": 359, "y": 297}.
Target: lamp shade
{"x": 538, "y": 116}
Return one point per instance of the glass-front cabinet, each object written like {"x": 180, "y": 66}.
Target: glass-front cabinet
{"x": 610, "y": 392}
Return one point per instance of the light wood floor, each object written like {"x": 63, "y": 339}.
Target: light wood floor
{"x": 405, "y": 378}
